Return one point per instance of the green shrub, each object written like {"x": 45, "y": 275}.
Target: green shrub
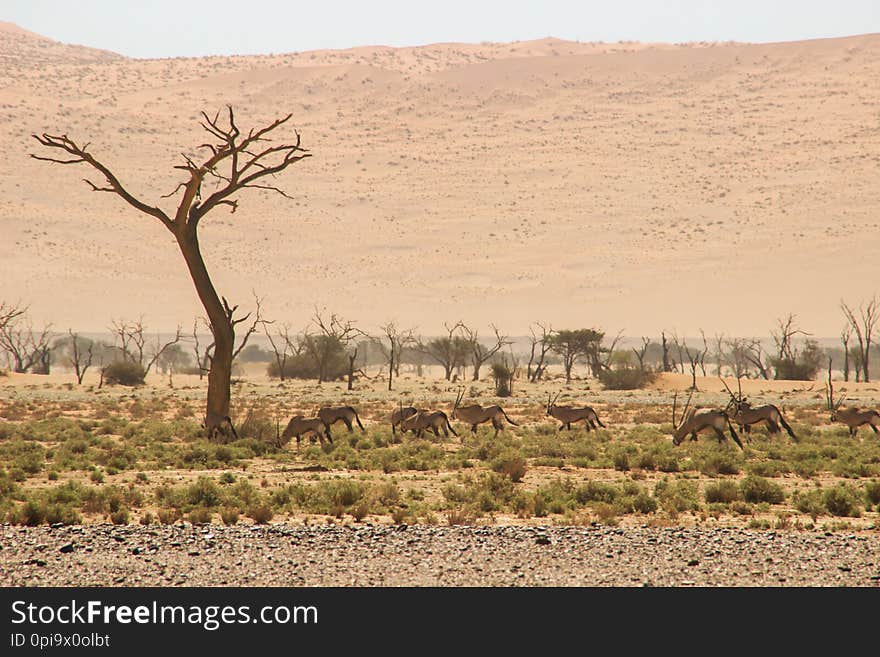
{"x": 626, "y": 378}
{"x": 811, "y": 502}
{"x": 843, "y": 500}
{"x": 229, "y": 515}
{"x": 119, "y": 517}
{"x": 169, "y": 516}
{"x": 723, "y": 491}
{"x": 644, "y": 503}
{"x": 200, "y": 516}
{"x": 260, "y": 514}
{"x": 757, "y": 489}
{"x": 512, "y": 466}
{"x": 677, "y": 496}
{"x": 872, "y": 492}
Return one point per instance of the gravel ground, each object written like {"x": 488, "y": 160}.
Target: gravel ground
{"x": 288, "y": 555}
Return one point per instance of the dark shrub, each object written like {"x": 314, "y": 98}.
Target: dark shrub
{"x": 124, "y": 373}
{"x": 626, "y": 378}
{"x": 757, "y": 489}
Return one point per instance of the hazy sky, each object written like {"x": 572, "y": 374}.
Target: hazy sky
{"x": 172, "y": 28}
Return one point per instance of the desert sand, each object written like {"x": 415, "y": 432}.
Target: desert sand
{"x": 635, "y": 187}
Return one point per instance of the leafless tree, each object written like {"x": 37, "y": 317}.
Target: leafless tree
{"x": 845, "y": 337}
{"x": 27, "y": 348}
{"x": 863, "y": 320}
{"x": 477, "y": 351}
{"x": 9, "y": 312}
{"x": 80, "y": 355}
{"x": 398, "y": 340}
{"x": 283, "y": 346}
{"x": 203, "y": 357}
{"x": 754, "y": 354}
{"x": 132, "y": 341}
{"x": 695, "y": 358}
{"x": 719, "y": 353}
{"x": 641, "y": 351}
{"x": 738, "y": 356}
{"x": 233, "y": 162}
{"x": 664, "y": 344}
{"x": 539, "y": 347}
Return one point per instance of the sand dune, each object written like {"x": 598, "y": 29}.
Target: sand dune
{"x": 629, "y": 186}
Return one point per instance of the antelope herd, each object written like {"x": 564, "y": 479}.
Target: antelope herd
{"x": 738, "y": 411}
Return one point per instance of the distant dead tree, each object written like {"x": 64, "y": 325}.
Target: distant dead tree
{"x": 845, "y": 337}
{"x": 8, "y": 313}
{"x": 132, "y": 341}
{"x": 641, "y": 351}
{"x": 539, "y": 346}
{"x": 719, "y": 353}
{"x": 737, "y": 356}
{"x": 283, "y": 346}
{"x": 754, "y": 354}
{"x": 695, "y": 357}
{"x": 863, "y": 321}
{"x": 478, "y": 353}
{"x": 398, "y": 340}
{"x": 80, "y": 352}
{"x": 27, "y": 349}
{"x": 667, "y": 365}
{"x": 234, "y": 162}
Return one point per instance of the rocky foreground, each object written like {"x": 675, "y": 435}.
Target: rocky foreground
{"x": 288, "y": 555}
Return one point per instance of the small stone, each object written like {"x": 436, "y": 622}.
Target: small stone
{"x": 67, "y": 547}
{"x": 542, "y": 539}
{"x": 694, "y": 562}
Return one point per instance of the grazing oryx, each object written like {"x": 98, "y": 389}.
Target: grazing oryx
{"x": 698, "y": 419}
{"x": 215, "y": 423}
{"x": 851, "y": 417}
{"x": 400, "y": 415}
{"x": 300, "y": 426}
{"x": 569, "y": 414}
{"x": 743, "y": 414}
{"x": 435, "y": 421}
{"x": 332, "y": 414}
{"x": 475, "y": 414}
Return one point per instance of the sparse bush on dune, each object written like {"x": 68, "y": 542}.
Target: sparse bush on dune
{"x": 124, "y": 373}
{"x": 626, "y": 378}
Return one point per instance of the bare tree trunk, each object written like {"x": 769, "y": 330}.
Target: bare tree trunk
{"x": 220, "y": 374}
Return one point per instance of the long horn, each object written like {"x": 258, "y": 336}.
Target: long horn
{"x": 674, "y": 402}
{"x": 687, "y": 405}
{"x": 729, "y": 391}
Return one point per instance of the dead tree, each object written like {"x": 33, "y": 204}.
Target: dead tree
{"x": 477, "y": 351}
{"x": 845, "y": 337}
{"x": 27, "y": 349}
{"x": 863, "y": 324}
{"x": 540, "y": 345}
{"x": 641, "y": 352}
{"x": 233, "y": 162}
{"x": 398, "y": 340}
{"x": 667, "y": 367}
{"x": 9, "y": 312}
{"x": 284, "y": 348}
{"x": 695, "y": 358}
{"x": 754, "y": 354}
{"x": 80, "y": 355}
{"x": 203, "y": 358}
